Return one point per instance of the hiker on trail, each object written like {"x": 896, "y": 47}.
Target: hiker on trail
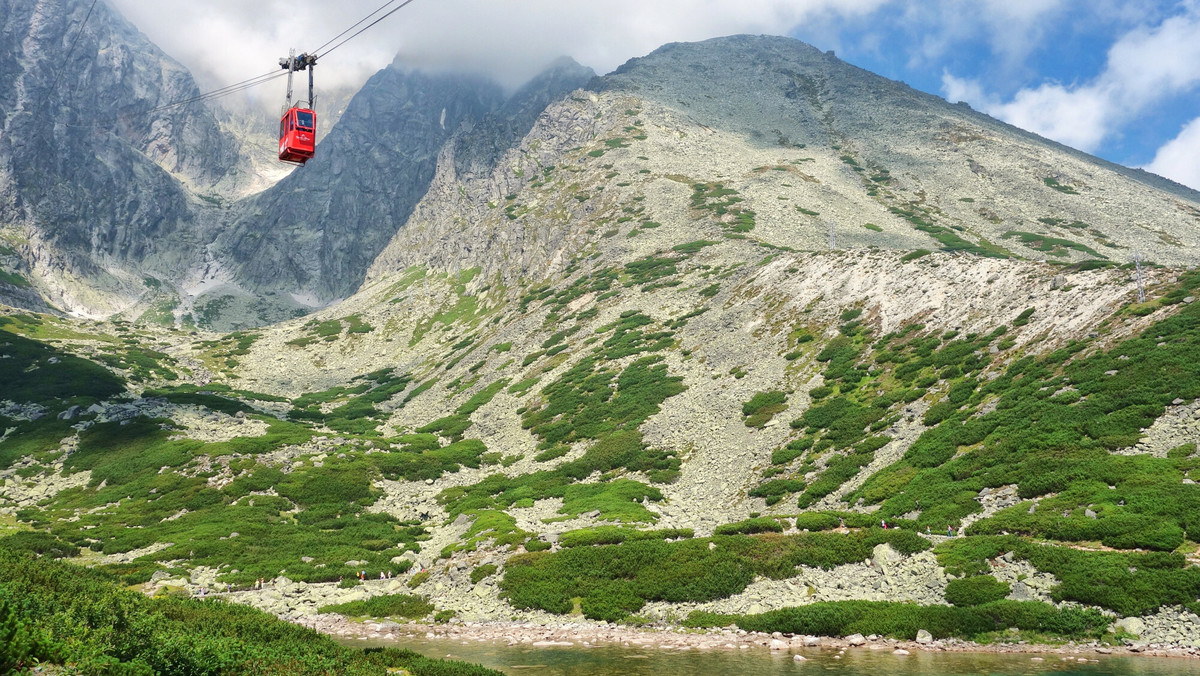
{"x": 883, "y": 523}
{"x": 927, "y": 530}
{"x": 949, "y": 531}
{"x": 382, "y": 576}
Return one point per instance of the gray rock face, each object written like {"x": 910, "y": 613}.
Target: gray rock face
{"x": 90, "y": 171}
{"x": 478, "y": 150}
{"x": 316, "y": 231}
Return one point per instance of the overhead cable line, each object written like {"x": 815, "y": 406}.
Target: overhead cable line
{"x": 71, "y": 49}
{"x": 223, "y": 91}
{"x": 360, "y": 22}
{"x": 267, "y": 77}
{"x": 402, "y": 5}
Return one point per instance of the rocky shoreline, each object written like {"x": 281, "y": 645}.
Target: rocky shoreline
{"x": 480, "y": 615}
{"x": 586, "y": 634}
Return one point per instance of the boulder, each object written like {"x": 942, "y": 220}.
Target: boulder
{"x": 1131, "y": 625}
{"x": 924, "y": 637}
{"x": 884, "y": 557}
{"x": 856, "y": 639}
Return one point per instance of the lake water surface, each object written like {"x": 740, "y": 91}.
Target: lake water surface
{"x": 621, "y": 661}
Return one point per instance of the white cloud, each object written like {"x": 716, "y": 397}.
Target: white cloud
{"x": 963, "y": 89}
{"x": 1144, "y": 67}
{"x": 225, "y": 41}
{"x": 1011, "y": 29}
{"x": 1080, "y": 117}
{"x": 1177, "y": 159}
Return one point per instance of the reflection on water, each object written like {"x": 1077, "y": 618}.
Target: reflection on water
{"x": 619, "y": 661}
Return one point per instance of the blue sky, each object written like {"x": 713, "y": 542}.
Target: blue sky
{"x": 1116, "y": 78}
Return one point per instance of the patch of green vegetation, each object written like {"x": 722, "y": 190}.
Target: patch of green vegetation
{"x": 976, "y": 590}
{"x": 401, "y": 606}
{"x": 1055, "y": 246}
{"x": 520, "y": 388}
{"x": 1129, "y": 583}
{"x": 357, "y": 325}
{"x": 762, "y": 407}
{"x": 358, "y": 412}
{"x": 914, "y": 255}
{"x": 760, "y": 524}
{"x": 903, "y": 620}
{"x": 222, "y": 353}
{"x": 947, "y": 237}
{"x": 162, "y": 313}
{"x": 611, "y": 535}
{"x": 1065, "y": 189}
{"x": 872, "y": 227}
{"x": 1050, "y": 428}
{"x": 593, "y": 402}
{"x": 692, "y": 247}
{"x": 723, "y": 203}
{"x": 615, "y": 581}
{"x": 481, "y": 572}
{"x": 35, "y": 372}
{"x": 208, "y": 312}
{"x": 465, "y": 309}
{"x": 54, "y": 613}
{"x": 13, "y": 279}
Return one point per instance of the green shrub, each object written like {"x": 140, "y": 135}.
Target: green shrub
{"x": 976, "y": 590}
{"x": 478, "y": 573}
{"x": 903, "y": 620}
{"x": 749, "y": 526}
{"x": 762, "y": 407}
{"x": 817, "y": 521}
{"x": 389, "y": 605}
{"x": 57, "y": 614}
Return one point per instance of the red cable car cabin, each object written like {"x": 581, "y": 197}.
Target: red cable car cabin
{"x": 297, "y": 135}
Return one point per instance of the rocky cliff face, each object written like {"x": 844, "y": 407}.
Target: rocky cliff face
{"x": 312, "y": 231}
{"x": 94, "y": 181}
{"x": 311, "y": 237}
{"x": 100, "y": 194}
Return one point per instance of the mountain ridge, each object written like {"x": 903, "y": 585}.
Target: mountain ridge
{"x": 772, "y": 342}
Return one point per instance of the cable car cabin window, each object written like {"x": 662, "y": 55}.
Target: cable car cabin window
{"x": 304, "y": 119}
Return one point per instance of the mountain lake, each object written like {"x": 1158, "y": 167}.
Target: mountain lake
{"x": 633, "y": 661}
